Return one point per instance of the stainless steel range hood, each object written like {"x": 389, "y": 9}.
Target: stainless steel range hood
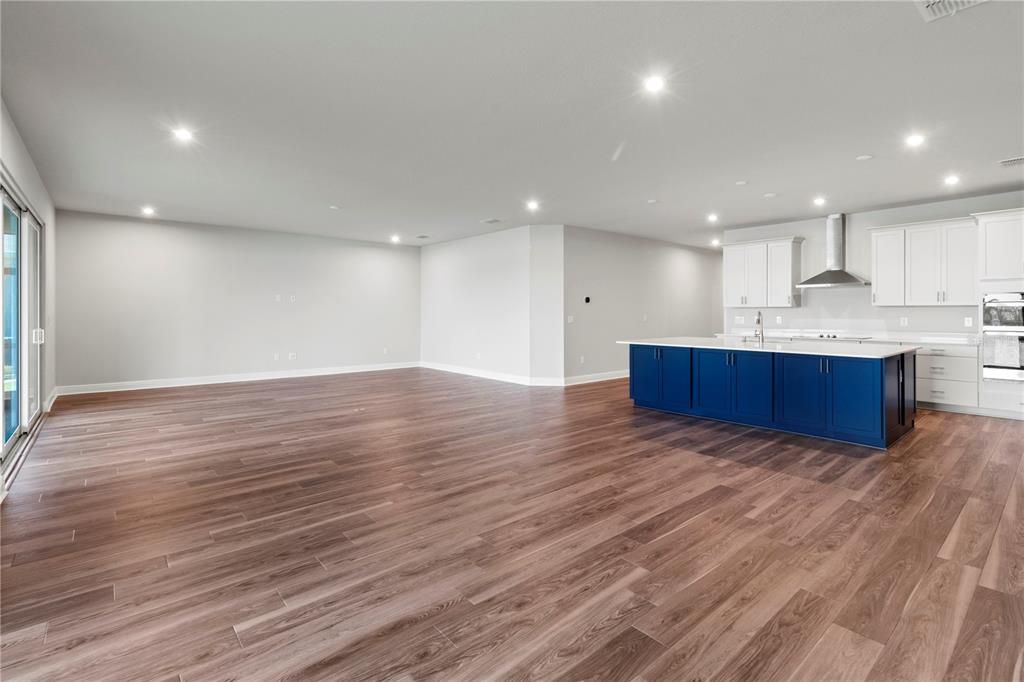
{"x": 835, "y": 259}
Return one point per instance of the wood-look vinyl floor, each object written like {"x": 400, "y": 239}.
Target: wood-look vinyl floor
{"x": 418, "y": 525}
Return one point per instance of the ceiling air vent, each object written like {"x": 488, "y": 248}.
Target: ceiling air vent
{"x": 491, "y": 221}
{"x": 1015, "y": 161}
{"x": 937, "y": 9}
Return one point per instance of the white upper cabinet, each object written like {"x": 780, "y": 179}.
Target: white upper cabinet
{"x": 923, "y": 267}
{"x": 761, "y": 274}
{"x": 757, "y": 275}
{"x": 783, "y": 273}
{"x": 959, "y": 264}
{"x": 925, "y": 264}
{"x": 734, "y": 275}
{"x": 1001, "y": 243}
{"x": 887, "y": 267}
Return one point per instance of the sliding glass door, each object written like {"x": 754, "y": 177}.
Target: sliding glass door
{"x": 31, "y": 332}
{"x": 20, "y": 310}
{"x": 11, "y": 322}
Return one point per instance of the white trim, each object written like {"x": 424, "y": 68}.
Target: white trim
{"x": 481, "y": 373}
{"x": 520, "y": 379}
{"x": 601, "y": 376}
{"x": 978, "y": 411}
{"x": 48, "y": 405}
{"x": 225, "y": 378}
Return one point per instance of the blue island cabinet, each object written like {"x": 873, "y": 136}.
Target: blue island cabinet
{"x": 660, "y": 377}
{"x": 832, "y": 397}
{"x": 869, "y": 401}
{"x": 733, "y": 385}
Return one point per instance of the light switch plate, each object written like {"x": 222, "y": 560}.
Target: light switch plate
{"x": 968, "y": 321}
{"x": 778, "y": 319}
{"x": 904, "y": 321}
{"x": 740, "y": 319}
{"x": 569, "y": 319}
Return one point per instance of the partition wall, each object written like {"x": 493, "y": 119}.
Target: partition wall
{"x": 20, "y": 308}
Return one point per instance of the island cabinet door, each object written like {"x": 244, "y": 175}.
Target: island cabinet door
{"x": 800, "y": 393}
{"x": 712, "y": 382}
{"x": 752, "y": 387}
{"x": 855, "y": 399}
{"x": 645, "y": 374}
{"x": 675, "y": 379}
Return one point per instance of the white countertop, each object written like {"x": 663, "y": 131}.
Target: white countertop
{"x": 875, "y": 351}
{"x": 921, "y": 338}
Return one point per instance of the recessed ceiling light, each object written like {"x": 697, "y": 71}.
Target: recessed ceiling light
{"x": 740, "y": 183}
{"x": 395, "y": 239}
{"x": 654, "y": 84}
{"x": 333, "y": 207}
{"x": 715, "y": 242}
{"x": 865, "y": 157}
{"x": 769, "y": 195}
{"x": 712, "y": 217}
{"x": 652, "y": 201}
{"x": 952, "y": 180}
{"x": 183, "y": 135}
{"x": 819, "y": 201}
{"x": 148, "y": 211}
{"x": 914, "y": 140}
{"x": 532, "y": 205}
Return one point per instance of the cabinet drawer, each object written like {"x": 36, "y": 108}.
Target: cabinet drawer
{"x": 947, "y": 367}
{"x": 1007, "y": 396}
{"x": 951, "y": 350}
{"x": 945, "y": 392}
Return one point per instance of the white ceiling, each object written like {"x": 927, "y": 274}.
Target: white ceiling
{"x": 426, "y": 118}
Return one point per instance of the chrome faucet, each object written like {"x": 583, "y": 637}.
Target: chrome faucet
{"x": 759, "y": 329}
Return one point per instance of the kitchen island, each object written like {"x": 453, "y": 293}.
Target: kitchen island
{"x": 858, "y": 393}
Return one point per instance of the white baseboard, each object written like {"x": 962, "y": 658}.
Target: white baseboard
{"x": 481, "y": 373}
{"x": 600, "y": 376}
{"x": 979, "y": 411}
{"x": 323, "y": 371}
{"x": 222, "y": 379}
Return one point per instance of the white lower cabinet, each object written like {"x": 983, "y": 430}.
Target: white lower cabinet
{"x": 947, "y": 374}
{"x": 1005, "y": 396}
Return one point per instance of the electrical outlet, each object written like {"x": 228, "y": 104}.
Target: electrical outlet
{"x": 581, "y": 359}
{"x": 292, "y": 356}
{"x": 904, "y": 321}
{"x": 778, "y": 319}
{"x": 968, "y": 321}
{"x": 277, "y": 356}
{"x": 292, "y": 298}
{"x": 569, "y": 320}
{"x": 385, "y": 350}
{"x": 739, "y": 319}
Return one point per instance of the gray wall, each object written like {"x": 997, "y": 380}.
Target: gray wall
{"x": 476, "y": 304}
{"x": 547, "y": 318}
{"x": 638, "y": 288}
{"x": 851, "y": 308}
{"x": 146, "y": 300}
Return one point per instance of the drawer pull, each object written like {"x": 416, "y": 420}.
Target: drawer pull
{"x": 937, "y": 391}
{"x": 937, "y": 369}
{"x": 937, "y": 350}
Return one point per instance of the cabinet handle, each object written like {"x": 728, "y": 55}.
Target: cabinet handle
{"x": 874, "y": 298}
{"x": 937, "y": 369}
{"x": 821, "y": 365}
{"x": 937, "y": 391}
{"x": 789, "y": 300}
